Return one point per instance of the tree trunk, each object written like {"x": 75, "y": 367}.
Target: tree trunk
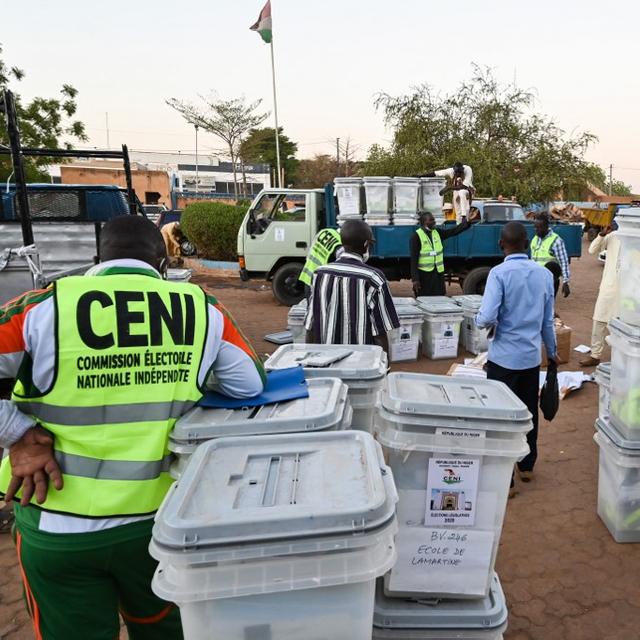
{"x": 233, "y": 166}
{"x": 244, "y": 178}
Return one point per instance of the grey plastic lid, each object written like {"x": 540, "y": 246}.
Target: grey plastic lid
{"x": 365, "y": 362}
{"x": 404, "y": 302}
{"x": 431, "y": 395}
{"x": 603, "y": 373}
{"x": 627, "y": 331}
{"x": 267, "y": 488}
{"x": 409, "y": 313}
{"x": 468, "y": 301}
{"x": 323, "y": 409}
{"x": 348, "y": 180}
{"x": 179, "y": 275}
{"x": 438, "y": 305}
{"x": 408, "y": 180}
{"x": 399, "y": 613}
{"x": 624, "y": 446}
{"x": 377, "y": 179}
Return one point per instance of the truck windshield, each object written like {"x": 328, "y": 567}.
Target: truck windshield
{"x": 277, "y": 207}
{"x": 503, "y": 212}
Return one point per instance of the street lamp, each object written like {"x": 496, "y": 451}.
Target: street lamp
{"x": 196, "y": 126}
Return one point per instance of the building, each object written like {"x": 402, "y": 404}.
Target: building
{"x": 166, "y": 177}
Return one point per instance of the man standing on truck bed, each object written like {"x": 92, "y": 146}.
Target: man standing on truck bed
{"x": 350, "y": 301}
{"x": 548, "y": 249}
{"x": 326, "y": 247}
{"x": 427, "y": 255}
{"x": 105, "y": 364}
{"x": 461, "y": 177}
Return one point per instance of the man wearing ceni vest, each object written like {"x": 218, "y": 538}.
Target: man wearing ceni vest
{"x": 324, "y": 249}
{"x": 427, "y": 254}
{"x": 104, "y": 365}
{"x": 548, "y": 249}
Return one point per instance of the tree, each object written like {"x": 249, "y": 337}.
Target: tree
{"x": 229, "y": 120}
{"x": 260, "y": 146}
{"x": 489, "y": 126}
{"x": 43, "y": 122}
{"x": 315, "y": 172}
{"x": 348, "y": 151}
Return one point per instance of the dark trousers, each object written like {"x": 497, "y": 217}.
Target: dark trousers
{"x": 556, "y": 271}
{"x": 432, "y": 283}
{"x": 524, "y": 383}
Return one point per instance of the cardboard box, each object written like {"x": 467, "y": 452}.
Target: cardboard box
{"x": 563, "y": 338}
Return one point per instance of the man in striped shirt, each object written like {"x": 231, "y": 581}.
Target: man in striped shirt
{"x": 350, "y": 301}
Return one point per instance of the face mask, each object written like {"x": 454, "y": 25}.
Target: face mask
{"x": 365, "y": 256}
{"x": 431, "y": 225}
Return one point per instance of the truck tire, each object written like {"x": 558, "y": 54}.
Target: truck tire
{"x": 287, "y": 289}
{"x": 476, "y": 280}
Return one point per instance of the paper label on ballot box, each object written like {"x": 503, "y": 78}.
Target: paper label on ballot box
{"x": 442, "y": 561}
{"x": 452, "y": 488}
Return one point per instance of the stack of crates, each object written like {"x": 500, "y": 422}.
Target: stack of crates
{"x": 618, "y": 424}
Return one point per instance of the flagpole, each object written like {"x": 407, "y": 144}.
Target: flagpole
{"x": 275, "y": 113}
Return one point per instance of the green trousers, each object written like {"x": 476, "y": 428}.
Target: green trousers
{"x": 76, "y": 585}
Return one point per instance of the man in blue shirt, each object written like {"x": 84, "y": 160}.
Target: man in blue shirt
{"x": 517, "y": 307}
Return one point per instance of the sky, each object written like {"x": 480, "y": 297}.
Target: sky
{"x": 332, "y": 58}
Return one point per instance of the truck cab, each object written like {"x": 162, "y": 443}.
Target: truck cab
{"x": 275, "y": 236}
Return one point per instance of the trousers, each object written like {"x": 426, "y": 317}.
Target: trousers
{"x": 524, "y": 383}
{"x": 598, "y": 334}
{"x": 556, "y": 271}
{"x": 76, "y": 585}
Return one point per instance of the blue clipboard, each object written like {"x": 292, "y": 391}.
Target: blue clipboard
{"x": 282, "y": 385}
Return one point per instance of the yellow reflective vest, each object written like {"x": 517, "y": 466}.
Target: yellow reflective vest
{"x": 431, "y": 251}
{"x": 541, "y": 248}
{"x": 323, "y": 246}
{"x": 128, "y": 353}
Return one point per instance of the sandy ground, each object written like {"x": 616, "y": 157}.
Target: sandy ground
{"x": 564, "y": 576}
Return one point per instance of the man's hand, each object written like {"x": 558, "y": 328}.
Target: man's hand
{"x": 565, "y": 289}
{"x": 416, "y": 288}
{"x": 33, "y": 464}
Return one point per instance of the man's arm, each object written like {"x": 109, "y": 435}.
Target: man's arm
{"x": 382, "y": 341}
{"x": 559, "y": 250}
{"x": 13, "y": 424}
{"x": 599, "y": 244}
{"x": 237, "y": 371}
{"x": 383, "y": 314}
{"x": 491, "y": 301}
{"x": 548, "y": 329}
{"x": 414, "y": 256}
{"x": 457, "y": 230}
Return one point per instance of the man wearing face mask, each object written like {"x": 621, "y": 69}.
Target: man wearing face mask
{"x": 427, "y": 254}
{"x": 350, "y": 301}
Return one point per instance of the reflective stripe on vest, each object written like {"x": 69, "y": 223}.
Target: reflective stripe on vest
{"x": 541, "y": 248}
{"x": 323, "y": 246}
{"x": 431, "y": 253}
{"x": 128, "y": 354}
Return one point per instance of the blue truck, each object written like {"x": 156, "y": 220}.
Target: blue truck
{"x": 65, "y": 220}
{"x": 280, "y": 226}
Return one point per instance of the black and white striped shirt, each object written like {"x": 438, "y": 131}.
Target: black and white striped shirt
{"x": 350, "y": 303}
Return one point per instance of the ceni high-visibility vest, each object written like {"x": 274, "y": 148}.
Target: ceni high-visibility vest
{"x": 541, "y": 248}
{"x": 128, "y": 353}
{"x": 323, "y": 246}
{"x": 431, "y": 251}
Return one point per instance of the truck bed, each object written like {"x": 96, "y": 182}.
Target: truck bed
{"x": 481, "y": 241}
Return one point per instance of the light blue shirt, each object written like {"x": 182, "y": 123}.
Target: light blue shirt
{"x": 518, "y": 301}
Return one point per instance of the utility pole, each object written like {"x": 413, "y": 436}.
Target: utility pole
{"x": 107, "y": 121}
{"x": 337, "y": 156}
{"x": 196, "y": 127}
{"x": 610, "y": 179}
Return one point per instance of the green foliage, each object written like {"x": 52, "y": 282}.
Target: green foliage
{"x": 489, "y": 126}
{"x": 43, "y": 122}
{"x": 316, "y": 172}
{"x": 260, "y": 146}
{"x": 213, "y": 228}
{"x": 229, "y": 120}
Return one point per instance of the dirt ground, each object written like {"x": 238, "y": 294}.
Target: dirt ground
{"x": 563, "y": 575}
